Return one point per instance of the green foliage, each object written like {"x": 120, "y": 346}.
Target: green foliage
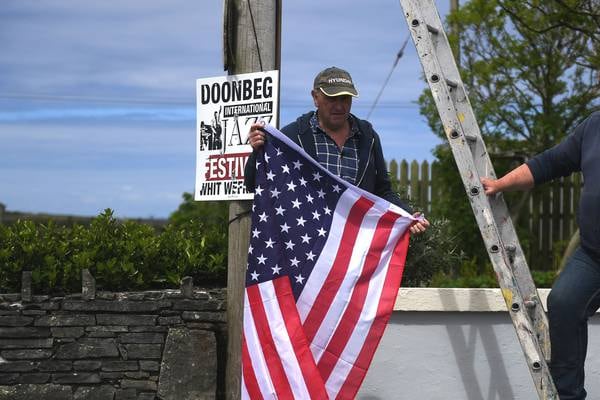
{"x": 430, "y": 252}
{"x": 531, "y": 71}
{"x": 120, "y": 255}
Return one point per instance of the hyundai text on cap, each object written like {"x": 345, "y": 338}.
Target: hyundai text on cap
{"x": 334, "y": 81}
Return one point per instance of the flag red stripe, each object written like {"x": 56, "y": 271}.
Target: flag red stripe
{"x": 338, "y": 270}
{"x": 392, "y": 283}
{"x": 287, "y": 304}
{"x": 352, "y": 313}
{"x": 261, "y": 321}
{"x": 250, "y": 380}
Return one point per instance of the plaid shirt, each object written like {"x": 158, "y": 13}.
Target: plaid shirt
{"x": 344, "y": 162}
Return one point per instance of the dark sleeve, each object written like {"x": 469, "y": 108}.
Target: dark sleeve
{"x": 383, "y": 185}
{"x": 560, "y": 160}
{"x": 250, "y": 172}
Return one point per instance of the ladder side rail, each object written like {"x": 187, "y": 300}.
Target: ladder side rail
{"x": 480, "y": 204}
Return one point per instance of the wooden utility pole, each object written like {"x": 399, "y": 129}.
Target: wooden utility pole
{"x": 251, "y": 43}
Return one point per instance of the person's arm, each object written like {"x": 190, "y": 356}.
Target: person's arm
{"x": 256, "y": 138}
{"x": 519, "y": 178}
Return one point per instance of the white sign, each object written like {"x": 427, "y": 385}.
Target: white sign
{"x": 226, "y": 106}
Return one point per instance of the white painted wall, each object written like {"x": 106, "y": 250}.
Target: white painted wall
{"x": 458, "y": 344}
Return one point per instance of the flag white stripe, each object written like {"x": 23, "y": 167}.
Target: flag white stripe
{"x": 282, "y": 341}
{"x": 256, "y": 355}
{"x": 343, "y": 295}
{"x": 361, "y": 329}
{"x": 326, "y": 259}
{"x": 245, "y": 395}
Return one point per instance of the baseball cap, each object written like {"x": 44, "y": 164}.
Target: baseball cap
{"x": 335, "y": 81}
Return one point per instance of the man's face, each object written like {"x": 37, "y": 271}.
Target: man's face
{"x": 333, "y": 111}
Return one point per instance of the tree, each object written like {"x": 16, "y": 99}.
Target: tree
{"x": 531, "y": 69}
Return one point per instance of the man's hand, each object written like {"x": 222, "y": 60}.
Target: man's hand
{"x": 490, "y": 186}
{"x": 256, "y": 136}
{"x": 419, "y": 227}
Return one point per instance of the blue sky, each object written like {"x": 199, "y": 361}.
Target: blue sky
{"x": 97, "y": 98}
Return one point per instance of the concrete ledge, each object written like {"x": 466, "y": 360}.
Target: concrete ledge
{"x": 450, "y": 299}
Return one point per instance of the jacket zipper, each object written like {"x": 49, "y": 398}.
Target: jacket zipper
{"x": 367, "y": 164}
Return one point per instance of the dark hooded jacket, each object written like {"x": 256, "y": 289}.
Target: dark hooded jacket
{"x": 580, "y": 151}
{"x": 372, "y": 174}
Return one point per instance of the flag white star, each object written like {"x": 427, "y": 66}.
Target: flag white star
{"x": 297, "y": 164}
{"x": 279, "y": 210}
{"x": 295, "y": 262}
{"x": 275, "y": 193}
{"x": 316, "y": 215}
{"x": 317, "y": 176}
{"x": 285, "y": 228}
{"x": 285, "y": 168}
{"x": 322, "y": 232}
{"x": 254, "y": 276}
{"x": 291, "y": 186}
{"x": 310, "y": 256}
{"x": 327, "y": 211}
{"x": 279, "y": 152}
{"x": 302, "y": 181}
{"x": 255, "y": 233}
{"x": 289, "y": 245}
{"x": 270, "y": 176}
{"x": 253, "y": 207}
{"x": 276, "y": 269}
{"x": 305, "y": 238}
{"x": 309, "y": 198}
{"x": 296, "y": 204}
{"x": 299, "y": 279}
{"x": 301, "y": 221}
{"x": 250, "y": 249}
{"x": 263, "y": 217}
{"x": 267, "y": 157}
{"x": 321, "y": 194}
{"x": 258, "y": 165}
{"x": 258, "y": 190}
{"x": 269, "y": 243}
{"x": 261, "y": 259}
{"x": 336, "y": 188}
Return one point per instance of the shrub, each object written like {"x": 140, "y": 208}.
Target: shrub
{"x": 120, "y": 255}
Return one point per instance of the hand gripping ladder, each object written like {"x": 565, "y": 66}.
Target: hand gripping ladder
{"x": 491, "y": 213}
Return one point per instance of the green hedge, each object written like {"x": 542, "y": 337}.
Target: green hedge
{"x": 134, "y": 256}
{"x": 120, "y": 255}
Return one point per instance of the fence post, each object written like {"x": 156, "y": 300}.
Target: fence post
{"x": 404, "y": 176}
{"x": 414, "y": 182}
{"x": 425, "y": 204}
{"x": 393, "y": 170}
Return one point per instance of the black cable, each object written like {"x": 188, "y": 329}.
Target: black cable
{"x": 255, "y": 35}
{"x": 238, "y": 216}
{"x": 400, "y": 53}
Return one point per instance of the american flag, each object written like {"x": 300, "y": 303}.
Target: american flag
{"x": 324, "y": 266}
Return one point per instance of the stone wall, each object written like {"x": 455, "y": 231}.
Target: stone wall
{"x": 168, "y": 345}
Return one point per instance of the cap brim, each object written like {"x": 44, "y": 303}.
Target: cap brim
{"x": 339, "y": 91}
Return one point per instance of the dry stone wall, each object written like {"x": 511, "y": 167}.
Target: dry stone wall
{"x": 168, "y": 345}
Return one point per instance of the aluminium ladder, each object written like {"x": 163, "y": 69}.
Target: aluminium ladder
{"x": 491, "y": 213}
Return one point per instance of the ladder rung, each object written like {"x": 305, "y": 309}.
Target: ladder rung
{"x": 432, "y": 29}
{"x": 451, "y": 83}
{"x": 471, "y": 138}
{"x": 530, "y": 304}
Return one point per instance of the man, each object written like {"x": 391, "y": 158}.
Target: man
{"x": 575, "y": 294}
{"x": 347, "y": 146}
